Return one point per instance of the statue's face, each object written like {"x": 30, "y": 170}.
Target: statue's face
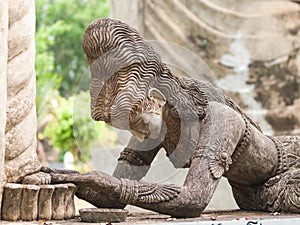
{"x": 139, "y": 113}
{"x": 126, "y": 100}
{"x": 146, "y": 121}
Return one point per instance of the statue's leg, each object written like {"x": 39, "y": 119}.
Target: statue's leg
{"x": 280, "y": 193}
{"x": 291, "y": 144}
{"x": 245, "y": 197}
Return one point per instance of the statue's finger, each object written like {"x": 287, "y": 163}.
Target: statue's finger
{"x": 70, "y": 178}
{"x": 60, "y": 178}
{"x": 46, "y": 169}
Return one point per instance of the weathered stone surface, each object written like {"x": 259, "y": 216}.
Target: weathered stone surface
{"x": 17, "y": 11}
{"x": 20, "y": 137}
{"x": 95, "y": 215}
{"x": 12, "y": 200}
{"x": 3, "y": 87}
{"x": 45, "y": 202}
{"x": 287, "y": 119}
{"x": 21, "y": 157}
{"x": 25, "y": 163}
{"x": 39, "y": 178}
{"x": 20, "y": 79}
{"x": 69, "y": 202}
{"x": 58, "y": 201}
{"x": 29, "y": 203}
{"x": 20, "y": 105}
{"x": 21, "y": 27}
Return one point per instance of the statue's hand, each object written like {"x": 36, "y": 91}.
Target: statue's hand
{"x": 96, "y": 180}
{"x": 97, "y": 188}
{"x": 61, "y": 171}
{"x": 37, "y": 178}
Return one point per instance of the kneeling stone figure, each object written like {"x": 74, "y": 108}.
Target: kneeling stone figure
{"x": 197, "y": 125}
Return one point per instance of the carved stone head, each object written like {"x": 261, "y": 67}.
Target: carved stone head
{"x": 124, "y": 69}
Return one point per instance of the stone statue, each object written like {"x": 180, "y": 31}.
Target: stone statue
{"x": 198, "y": 126}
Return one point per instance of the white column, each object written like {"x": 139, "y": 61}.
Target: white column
{"x": 3, "y": 66}
{"x": 20, "y": 156}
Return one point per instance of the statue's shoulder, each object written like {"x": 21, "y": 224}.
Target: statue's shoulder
{"x": 189, "y": 82}
{"x": 204, "y": 88}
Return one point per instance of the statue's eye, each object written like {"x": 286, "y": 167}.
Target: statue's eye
{"x": 174, "y": 112}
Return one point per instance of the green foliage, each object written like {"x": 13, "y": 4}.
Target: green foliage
{"x": 72, "y": 129}
{"x": 47, "y": 80}
{"x": 63, "y": 23}
{"x": 60, "y": 63}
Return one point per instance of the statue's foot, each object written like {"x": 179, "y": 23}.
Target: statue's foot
{"x": 38, "y": 178}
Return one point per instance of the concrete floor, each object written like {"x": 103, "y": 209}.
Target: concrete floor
{"x": 235, "y": 217}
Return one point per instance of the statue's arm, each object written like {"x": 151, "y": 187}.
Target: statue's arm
{"x": 220, "y": 133}
{"x": 188, "y": 200}
{"x": 135, "y": 160}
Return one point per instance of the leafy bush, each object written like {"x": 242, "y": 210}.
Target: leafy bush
{"x": 60, "y": 64}
{"x": 63, "y": 22}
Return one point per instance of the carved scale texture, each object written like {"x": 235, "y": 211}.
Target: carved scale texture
{"x": 133, "y": 191}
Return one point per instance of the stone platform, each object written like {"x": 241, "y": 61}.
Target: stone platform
{"x": 236, "y": 217}
{"x": 38, "y": 202}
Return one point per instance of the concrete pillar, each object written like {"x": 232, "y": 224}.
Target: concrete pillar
{"x": 3, "y": 63}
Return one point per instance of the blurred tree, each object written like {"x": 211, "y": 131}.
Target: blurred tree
{"x": 47, "y": 81}
{"x": 60, "y": 64}
{"x": 72, "y": 129}
{"x": 62, "y": 24}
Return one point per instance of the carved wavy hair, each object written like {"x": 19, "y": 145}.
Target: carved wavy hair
{"x": 124, "y": 67}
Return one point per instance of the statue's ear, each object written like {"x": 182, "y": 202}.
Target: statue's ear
{"x": 157, "y": 95}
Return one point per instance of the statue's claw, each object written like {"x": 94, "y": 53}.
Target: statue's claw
{"x": 38, "y": 178}
{"x": 59, "y": 171}
{"x": 61, "y": 178}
